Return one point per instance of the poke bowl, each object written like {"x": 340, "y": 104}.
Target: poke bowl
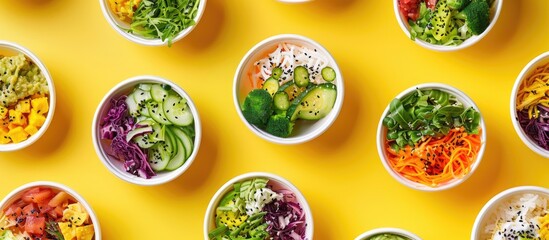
{"x": 529, "y": 108}
{"x": 387, "y": 233}
{"x": 27, "y": 97}
{"x": 146, "y": 130}
{"x": 258, "y": 205}
{"x": 47, "y": 210}
{"x": 447, "y": 25}
{"x": 431, "y": 137}
{"x": 288, "y": 89}
{"x": 151, "y": 23}
{"x": 516, "y": 213}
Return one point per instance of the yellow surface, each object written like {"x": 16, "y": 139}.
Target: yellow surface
{"x": 340, "y": 173}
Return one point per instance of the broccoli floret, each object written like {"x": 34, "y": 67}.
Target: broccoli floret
{"x": 476, "y": 16}
{"x": 279, "y": 125}
{"x": 457, "y": 4}
{"x": 258, "y": 107}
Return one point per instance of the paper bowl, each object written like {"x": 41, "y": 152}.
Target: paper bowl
{"x": 116, "y": 166}
{"x": 495, "y": 11}
{"x": 276, "y": 181}
{"x": 13, "y": 49}
{"x": 56, "y": 187}
{"x": 303, "y": 130}
{"x": 392, "y": 231}
{"x": 382, "y": 133}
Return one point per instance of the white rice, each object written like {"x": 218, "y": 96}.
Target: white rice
{"x": 288, "y": 56}
{"x": 518, "y": 216}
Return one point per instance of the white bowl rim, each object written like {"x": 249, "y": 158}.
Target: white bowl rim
{"x": 467, "y": 43}
{"x": 468, "y": 102}
{"x": 532, "y": 64}
{"x": 500, "y": 196}
{"x": 330, "y": 119}
{"x": 391, "y": 230}
{"x": 51, "y": 97}
{"x": 59, "y": 186}
{"x": 107, "y": 13}
{"x": 210, "y": 211}
{"x": 120, "y": 173}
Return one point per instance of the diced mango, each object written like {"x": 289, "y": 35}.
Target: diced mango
{"x": 36, "y": 119}
{"x": 31, "y": 129}
{"x": 4, "y": 123}
{"x": 4, "y": 138}
{"x": 23, "y": 106}
{"x": 84, "y": 232}
{"x": 3, "y": 112}
{"x": 17, "y": 118}
{"x": 40, "y": 105}
{"x": 67, "y": 230}
{"x": 18, "y": 134}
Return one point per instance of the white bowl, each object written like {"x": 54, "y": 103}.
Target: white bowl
{"x": 492, "y": 205}
{"x": 120, "y": 26}
{"x": 12, "y": 49}
{"x": 303, "y": 131}
{"x": 495, "y": 10}
{"x": 209, "y": 219}
{"x": 527, "y": 71}
{"x": 16, "y": 194}
{"x": 115, "y": 166}
{"x": 381, "y": 136}
{"x": 393, "y": 231}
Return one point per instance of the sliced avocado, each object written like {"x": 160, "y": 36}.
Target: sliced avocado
{"x": 313, "y": 104}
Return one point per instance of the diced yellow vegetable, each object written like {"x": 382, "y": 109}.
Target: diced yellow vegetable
{"x": 40, "y": 105}
{"x": 4, "y": 138}
{"x": 31, "y": 129}
{"x": 17, "y": 118}
{"x": 3, "y": 112}
{"x": 23, "y": 106}
{"x": 68, "y": 230}
{"x": 84, "y": 232}
{"x": 124, "y": 9}
{"x": 75, "y": 214}
{"x": 18, "y": 134}
{"x": 36, "y": 119}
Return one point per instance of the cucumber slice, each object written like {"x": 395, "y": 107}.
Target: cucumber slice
{"x": 179, "y": 157}
{"x": 156, "y": 111}
{"x": 158, "y": 93}
{"x": 185, "y": 139}
{"x": 176, "y": 110}
{"x": 313, "y": 104}
{"x": 301, "y": 76}
{"x": 271, "y": 85}
{"x": 293, "y": 90}
{"x": 328, "y": 74}
{"x": 133, "y": 107}
{"x": 145, "y": 87}
{"x": 277, "y": 72}
{"x": 138, "y": 131}
{"x": 158, "y": 156}
{"x": 158, "y": 133}
{"x": 281, "y": 101}
{"x": 143, "y": 141}
{"x": 141, "y": 96}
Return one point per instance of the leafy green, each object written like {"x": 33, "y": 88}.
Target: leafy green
{"x": 427, "y": 113}
{"x": 53, "y": 231}
{"x": 164, "y": 19}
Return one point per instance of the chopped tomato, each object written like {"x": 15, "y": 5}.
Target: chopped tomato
{"x": 431, "y": 4}
{"x": 409, "y": 9}
{"x": 35, "y": 225}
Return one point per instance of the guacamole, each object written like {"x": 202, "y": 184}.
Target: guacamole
{"x": 19, "y": 78}
{"x": 387, "y": 236}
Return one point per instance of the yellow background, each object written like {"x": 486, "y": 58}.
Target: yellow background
{"x": 339, "y": 173}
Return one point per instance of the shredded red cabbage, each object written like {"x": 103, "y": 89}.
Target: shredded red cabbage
{"x": 536, "y": 128}
{"x": 115, "y": 126}
{"x": 285, "y": 218}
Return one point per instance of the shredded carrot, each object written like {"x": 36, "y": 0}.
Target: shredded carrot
{"x": 434, "y": 161}
{"x": 533, "y": 90}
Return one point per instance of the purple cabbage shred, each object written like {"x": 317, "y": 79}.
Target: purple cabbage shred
{"x": 115, "y": 126}
{"x": 285, "y": 218}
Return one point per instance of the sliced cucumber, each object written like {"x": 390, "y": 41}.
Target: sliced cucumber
{"x": 141, "y": 96}
{"x": 271, "y": 85}
{"x": 158, "y": 133}
{"x": 138, "y": 131}
{"x": 301, "y": 76}
{"x": 158, "y": 93}
{"x": 156, "y": 110}
{"x": 328, "y": 74}
{"x": 133, "y": 107}
{"x": 144, "y": 141}
{"x": 158, "y": 156}
{"x": 177, "y": 111}
{"x": 185, "y": 139}
{"x": 313, "y": 104}
{"x": 293, "y": 90}
{"x": 277, "y": 72}
{"x": 180, "y": 154}
{"x": 281, "y": 101}
{"x": 145, "y": 86}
